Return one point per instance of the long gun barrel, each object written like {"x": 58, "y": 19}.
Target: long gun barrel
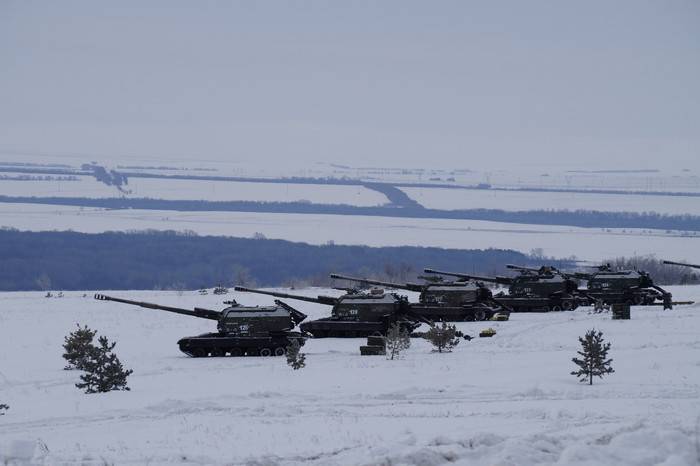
{"x": 543, "y": 270}
{"x": 329, "y": 300}
{"x": 500, "y": 280}
{"x": 404, "y": 286}
{"x": 695, "y": 266}
{"x": 521, "y": 267}
{"x": 197, "y": 312}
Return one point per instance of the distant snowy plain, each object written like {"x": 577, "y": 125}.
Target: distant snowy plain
{"x": 513, "y": 201}
{"x": 593, "y": 244}
{"x": 507, "y": 400}
{"x": 175, "y": 189}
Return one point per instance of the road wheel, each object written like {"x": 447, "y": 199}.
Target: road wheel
{"x": 280, "y": 351}
{"x": 566, "y": 305}
{"x": 218, "y": 352}
{"x": 199, "y": 353}
{"x": 556, "y": 309}
{"x": 265, "y": 352}
{"x": 252, "y": 352}
{"x": 479, "y": 315}
{"x": 236, "y": 352}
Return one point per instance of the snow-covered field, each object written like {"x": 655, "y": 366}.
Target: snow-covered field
{"x": 84, "y": 186}
{"x": 87, "y": 186}
{"x": 260, "y": 192}
{"x": 452, "y": 199}
{"x": 508, "y": 400}
{"x": 560, "y": 241}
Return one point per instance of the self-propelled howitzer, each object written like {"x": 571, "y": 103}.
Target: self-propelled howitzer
{"x": 446, "y": 301}
{"x": 355, "y": 314}
{"x": 530, "y": 291}
{"x": 624, "y": 286}
{"x": 242, "y": 330}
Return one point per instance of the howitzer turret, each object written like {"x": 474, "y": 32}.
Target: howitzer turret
{"x": 444, "y": 300}
{"x": 531, "y": 290}
{"x": 609, "y": 286}
{"x": 694, "y": 266}
{"x": 355, "y": 314}
{"x": 242, "y": 330}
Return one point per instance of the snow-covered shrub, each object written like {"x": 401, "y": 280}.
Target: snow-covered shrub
{"x": 295, "y": 358}
{"x": 3, "y": 408}
{"x": 443, "y": 337}
{"x": 103, "y": 370}
{"x": 594, "y": 353}
{"x": 397, "y": 340}
{"x": 76, "y": 346}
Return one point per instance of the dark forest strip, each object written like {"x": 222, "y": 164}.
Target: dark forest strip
{"x": 169, "y": 260}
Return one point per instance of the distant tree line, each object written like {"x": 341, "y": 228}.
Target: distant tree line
{"x": 169, "y": 260}
{"x": 578, "y": 218}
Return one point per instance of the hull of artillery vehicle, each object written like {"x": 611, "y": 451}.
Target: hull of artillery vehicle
{"x": 444, "y": 301}
{"x": 355, "y": 314}
{"x": 610, "y": 286}
{"x": 534, "y": 290}
{"x": 242, "y": 330}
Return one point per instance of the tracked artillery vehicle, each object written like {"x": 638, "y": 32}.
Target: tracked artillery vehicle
{"x": 532, "y": 290}
{"x": 446, "y": 301}
{"x": 242, "y": 330}
{"x": 624, "y": 287}
{"x": 356, "y": 314}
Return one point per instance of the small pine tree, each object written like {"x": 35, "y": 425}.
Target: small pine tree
{"x": 103, "y": 370}
{"x": 3, "y": 408}
{"x": 76, "y": 346}
{"x": 443, "y": 337}
{"x": 295, "y": 358}
{"x": 594, "y": 353}
{"x": 397, "y": 340}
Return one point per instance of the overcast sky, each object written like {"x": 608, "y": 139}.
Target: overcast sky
{"x": 459, "y": 84}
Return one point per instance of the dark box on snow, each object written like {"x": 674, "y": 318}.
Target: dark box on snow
{"x": 621, "y": 311}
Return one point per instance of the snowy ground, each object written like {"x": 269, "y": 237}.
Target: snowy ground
{"x": 259, "y": 192}
{"x": 174, "y": 189}
{"x": 452, "y": 199}
{"x": 593, "y": 244}
{"x": 579, "y": 174}
{"x": 508, "y": 400}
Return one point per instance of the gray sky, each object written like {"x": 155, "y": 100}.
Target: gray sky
{"x": 461, "y": 84}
